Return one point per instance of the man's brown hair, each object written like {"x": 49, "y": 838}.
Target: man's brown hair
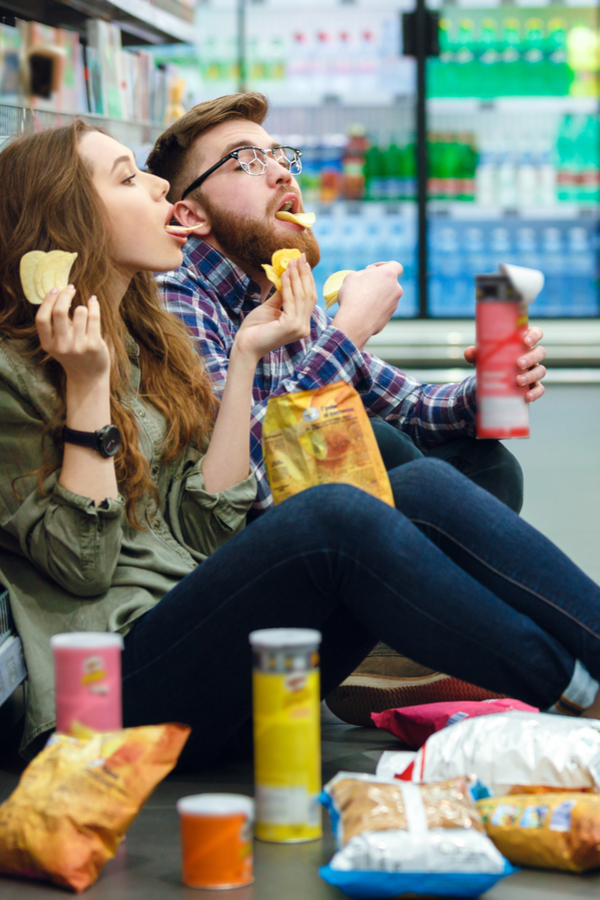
{"x": 170, "y": 156}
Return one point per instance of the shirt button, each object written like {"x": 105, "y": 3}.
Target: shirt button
{"x": 156, "y": 523}
{"x": 142, "y": 413}
{"x": 155, "y": 469}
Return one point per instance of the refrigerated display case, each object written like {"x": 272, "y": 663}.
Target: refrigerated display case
{"x": 490, "y": 155}
{"x": 522, "y": 83}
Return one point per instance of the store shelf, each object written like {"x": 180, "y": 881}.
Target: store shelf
{"x": 467, "y": 211}
{"x": 17, "y": 119}
{"x": 141, "y": 21}
{"x": 513, "y": 105}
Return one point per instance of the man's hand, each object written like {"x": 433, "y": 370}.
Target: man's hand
{"x": 367, "y": 301}
{"x": 528, "y": 363}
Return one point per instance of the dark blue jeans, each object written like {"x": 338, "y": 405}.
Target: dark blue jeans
{"x": 451, "y": 578}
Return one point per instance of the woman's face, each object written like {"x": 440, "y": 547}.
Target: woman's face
{"x": 137, "y": 207}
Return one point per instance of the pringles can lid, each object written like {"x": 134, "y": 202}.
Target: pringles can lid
{"x": 216, "y": 805}
{"x": 283, "y": 638}
{"x": 86, "y": 640}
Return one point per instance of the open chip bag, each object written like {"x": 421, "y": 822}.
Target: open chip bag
{"x": 322, "y": 436}
{"x": 550, "y": 831}
{"x": 77, "y": 798}
{"x": 395, "y": 838}
{"x": 512, "y": 752}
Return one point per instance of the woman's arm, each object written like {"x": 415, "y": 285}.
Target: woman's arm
{"x": 282, "y": 319}
{"x": 77, "y": 344}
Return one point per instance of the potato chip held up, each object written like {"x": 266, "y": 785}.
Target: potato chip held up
{"x": 279, "y": 263}
{"x": 332, "y": 286}
{"x": 40, "y": 272}
{"x": 305, "y": 220}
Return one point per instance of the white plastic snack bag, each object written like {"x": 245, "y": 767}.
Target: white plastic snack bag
{"x": 508, "y": 752}
{"x": 395, "y": 838}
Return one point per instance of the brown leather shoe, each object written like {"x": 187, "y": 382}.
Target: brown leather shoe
{"x": 387, "y": 680}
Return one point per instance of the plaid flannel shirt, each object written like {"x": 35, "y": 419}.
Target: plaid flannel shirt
{"x": 212, "y": 296}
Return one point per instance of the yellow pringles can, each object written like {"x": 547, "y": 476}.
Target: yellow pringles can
{"x": 287, "y": 734}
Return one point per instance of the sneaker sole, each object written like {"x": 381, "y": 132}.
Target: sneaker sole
{"x": 360, "y": 695}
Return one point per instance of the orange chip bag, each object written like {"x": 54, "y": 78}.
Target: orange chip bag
{"x": 319, "y": 437}
{"x": 77, "y": 798}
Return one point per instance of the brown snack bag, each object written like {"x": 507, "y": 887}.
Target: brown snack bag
{"x": 77, "y": 798}
{"x": 378, "y": 806}
{"x": 547, "y": 830}
{"x": 320, "y": 437}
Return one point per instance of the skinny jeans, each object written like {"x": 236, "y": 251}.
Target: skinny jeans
{"x": 451, "y": 578}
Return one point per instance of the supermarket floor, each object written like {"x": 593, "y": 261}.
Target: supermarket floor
{"x": 562, "y": 471}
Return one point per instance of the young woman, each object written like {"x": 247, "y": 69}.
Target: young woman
{"x": 150, "y": 541}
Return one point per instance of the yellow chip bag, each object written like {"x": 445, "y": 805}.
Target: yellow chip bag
{"x": 332, "y": 286}
{"x": 319, "y": 437}
{"x": 77, "y": 798}
{"x": 558, "y": 830}
{"x": 279, "y": 263}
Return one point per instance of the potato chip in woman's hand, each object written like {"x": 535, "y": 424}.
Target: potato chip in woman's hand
{"x": 279, "y": 263}
{"x": 40, "y": 272}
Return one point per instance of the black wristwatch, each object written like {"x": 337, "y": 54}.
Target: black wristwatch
{"x": 106, "y": 441}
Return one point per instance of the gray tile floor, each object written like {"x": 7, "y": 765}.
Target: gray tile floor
{"x": 562, "y": 472}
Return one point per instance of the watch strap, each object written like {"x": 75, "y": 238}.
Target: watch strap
{"x": 81, "y": 438}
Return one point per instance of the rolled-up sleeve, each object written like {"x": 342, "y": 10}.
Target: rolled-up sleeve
{"x": 65, "y": 535}
{"x": 205, "y": 520}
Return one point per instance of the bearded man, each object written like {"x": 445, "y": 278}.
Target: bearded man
{"x": 228, "y": 180}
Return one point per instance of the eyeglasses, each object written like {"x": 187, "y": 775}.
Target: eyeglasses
{"x": 254, "y": 161}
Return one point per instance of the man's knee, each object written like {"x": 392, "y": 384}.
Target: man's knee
{"x": 395, "y": 446}
{"x": 488, "y": 464}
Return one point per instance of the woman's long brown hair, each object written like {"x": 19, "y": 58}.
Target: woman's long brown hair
{"x": 48, "y": 202}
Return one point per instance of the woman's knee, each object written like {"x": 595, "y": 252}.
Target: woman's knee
{"x": 427, "y": 484}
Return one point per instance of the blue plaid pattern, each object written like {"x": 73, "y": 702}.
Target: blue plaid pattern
{"x": 212, "y": 296}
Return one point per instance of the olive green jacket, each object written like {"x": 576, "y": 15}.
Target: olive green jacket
{"x": 72, "y": 566}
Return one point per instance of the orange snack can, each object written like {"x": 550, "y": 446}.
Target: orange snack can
{"x": 216, "y": 840}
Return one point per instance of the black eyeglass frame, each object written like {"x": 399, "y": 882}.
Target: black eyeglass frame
{"x": 235, "y": 155}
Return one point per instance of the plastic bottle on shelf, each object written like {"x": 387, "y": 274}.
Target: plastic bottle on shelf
{"x": 546, "y": 176}
{"x": 582, "y": 57}
{"x": 469, "y": 158}
{"x": 526, "y": 247}
{"x": 375, "y": 174}
{"x": 509, "y": 77}
{"x": 409, "y": 168}
{"x": 552, "y": 263}
{"x": 534, "y": 84}
{"x": 331, "y": 151}
{"x": 566, "y": 176}
{"x": 507, "y": 178}
{"x": 557, "y": 73}
{"x": 311, "y": 169}
{"x": 354, "y": 161}
{"x": 527, "y": 179}
{"x": 589, "y": 148}
{"x": 485, "y": 178}
{"x": 487, "y": 58}
{"x": 467, "y": 75}
{"x": 392, "y": 165}
{"x": 582, "y": 268}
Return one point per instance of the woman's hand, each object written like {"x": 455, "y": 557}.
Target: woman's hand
{"x": 77, "y": 342}
{"x": 284, "y": 317}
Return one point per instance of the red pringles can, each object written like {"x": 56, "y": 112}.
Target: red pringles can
{"x": 502, "y": 320}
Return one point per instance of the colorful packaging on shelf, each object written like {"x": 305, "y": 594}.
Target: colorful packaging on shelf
{"x": 319, "y": 437}
{"x": 512, "y": 752}
{"x": 414, "y": 724}
{"x": 77, "y": 798}
{"x": 550, "y": 831}
{"x": 395, "y": 838}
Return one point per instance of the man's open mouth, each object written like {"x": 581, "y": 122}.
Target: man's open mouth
{"x": 289, "y": 203}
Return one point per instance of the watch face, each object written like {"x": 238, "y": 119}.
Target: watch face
{"x": 111, "y": 440}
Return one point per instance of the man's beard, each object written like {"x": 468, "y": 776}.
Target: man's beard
{"x": 251, "y": 242}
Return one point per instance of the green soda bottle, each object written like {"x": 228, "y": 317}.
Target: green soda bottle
{"x": 510, "y": 58}
{"x": 374, "y": 172}
{"x": 533, "y": 58}
{"x": 557, "y": 74}
{"x": 393, "y": 172}
{"x": 441, "y": 70}
{"x": 488, "y": 58}
{"x": 467, "y": 68}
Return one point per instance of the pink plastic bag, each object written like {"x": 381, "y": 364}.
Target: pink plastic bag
{"x": 414, "y": 724}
